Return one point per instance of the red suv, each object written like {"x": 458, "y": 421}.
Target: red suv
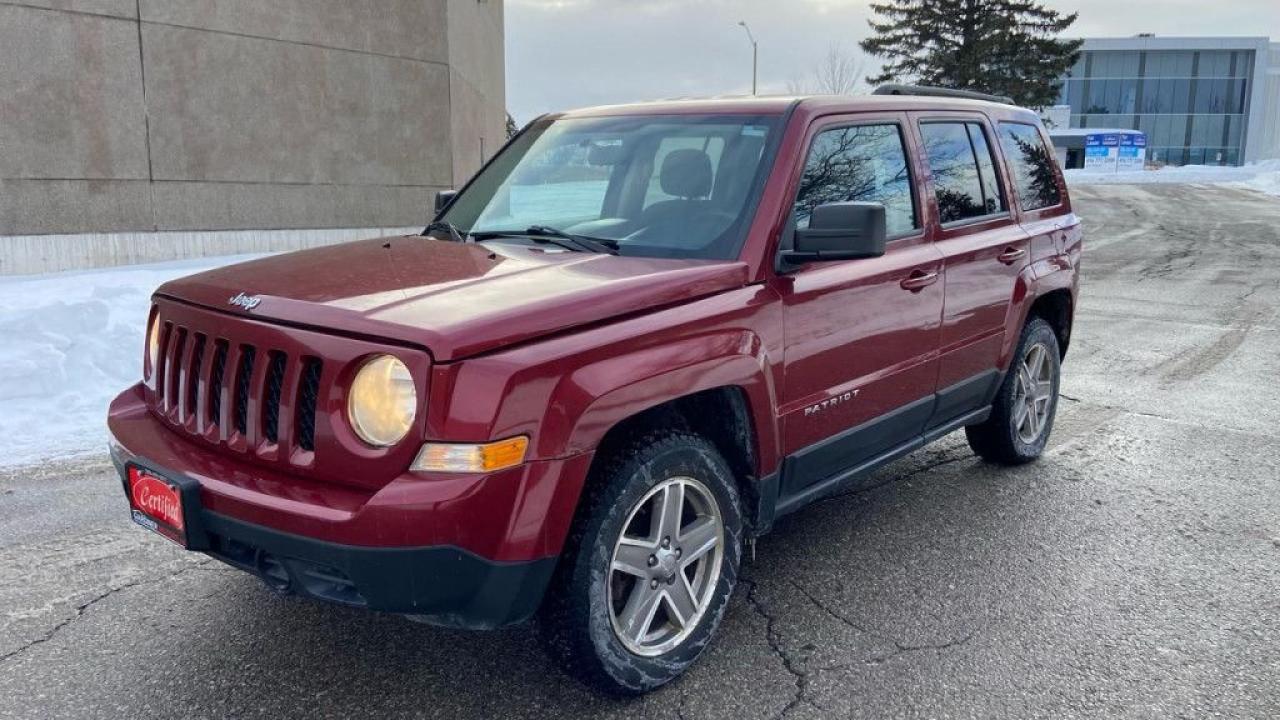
{"x": 634, "y": 340}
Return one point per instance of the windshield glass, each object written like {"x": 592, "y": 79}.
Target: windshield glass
{"x": 655, "y": 185}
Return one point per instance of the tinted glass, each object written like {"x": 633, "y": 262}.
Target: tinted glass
{"x": 992, "y": 191}
{"x": 866, "y": 163}
{"x": 955, "y": 171}
{"x": 1033, "y": 171}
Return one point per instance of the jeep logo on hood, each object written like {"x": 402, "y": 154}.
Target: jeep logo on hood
{"x": 248, "y": 302}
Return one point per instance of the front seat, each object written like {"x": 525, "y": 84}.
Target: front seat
{"x": 686, "y": 176}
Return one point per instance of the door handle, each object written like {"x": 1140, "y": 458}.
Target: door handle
{"x": 918, "y": 280}
{"x": 1011, "y": 255}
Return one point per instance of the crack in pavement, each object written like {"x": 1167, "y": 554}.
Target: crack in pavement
{"x": 775, "y": 644}
{"x": 837, "y": 615}
{"x": 802, "y": 677}
{"x": 903, "y": 649}
{"x": 81, "y": 608}
{"x": 684, "y": 697}
{"x": 899, "y": 646}
{"x": 1164, "y": 418}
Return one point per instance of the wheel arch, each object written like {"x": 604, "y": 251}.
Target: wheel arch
{"x": 722, "y": 415}
{"x": 1049, "y": 296}
{"x": 1055, "y": 307}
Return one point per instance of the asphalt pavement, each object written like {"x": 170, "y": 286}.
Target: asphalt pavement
{"x": 1134, "y": 571}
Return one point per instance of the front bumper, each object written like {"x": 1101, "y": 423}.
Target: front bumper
{"x": 463, "y": 551}
{"x": 444, "y": 585}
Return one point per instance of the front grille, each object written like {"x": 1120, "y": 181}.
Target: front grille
{"x": 235, "y": 393}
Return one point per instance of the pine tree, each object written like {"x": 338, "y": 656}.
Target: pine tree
{"x": 1004, "y": 47}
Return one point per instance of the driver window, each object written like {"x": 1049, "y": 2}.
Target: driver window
{"x": 863, "y": 163}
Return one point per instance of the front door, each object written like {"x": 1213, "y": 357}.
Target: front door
{"x": 860, "y": 361}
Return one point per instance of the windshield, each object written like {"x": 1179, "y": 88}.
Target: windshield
{"x": 654, "y": 185}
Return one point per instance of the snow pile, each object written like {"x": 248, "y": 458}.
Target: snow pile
{"x": 69, "y": 342}
{"x": 1261, "y": 176}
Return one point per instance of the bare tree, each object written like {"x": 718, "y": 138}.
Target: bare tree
{"x": 839, "y": 73}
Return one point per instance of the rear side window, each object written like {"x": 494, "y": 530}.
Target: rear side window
{"x": 863, "y": 163}
{"x": 964, "y": 176}
{"x": 1033, "y": 172}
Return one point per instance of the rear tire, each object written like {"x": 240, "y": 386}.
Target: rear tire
{"x": 634, "y": 601}
{"x": 1023, "y": 411}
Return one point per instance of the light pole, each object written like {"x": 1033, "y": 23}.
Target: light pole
{"x": 754, "y": 54}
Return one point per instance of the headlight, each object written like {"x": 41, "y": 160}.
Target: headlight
{"x": 153, "y": 344}
{"x": 383, "y": 401}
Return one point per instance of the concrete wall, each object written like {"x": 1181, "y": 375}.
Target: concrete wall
{"x": 163, "y": 121}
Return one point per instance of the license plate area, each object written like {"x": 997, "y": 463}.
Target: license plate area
{"x": 165, "y": 504}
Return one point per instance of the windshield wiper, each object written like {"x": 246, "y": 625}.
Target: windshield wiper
{"x": 454, "y": 234}
{"x": 594, "y": 244}
{"x": 552, "y": 236}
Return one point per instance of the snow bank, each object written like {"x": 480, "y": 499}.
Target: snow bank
{"x": 1262, "y": 176}
{"x": 68, "y": 343}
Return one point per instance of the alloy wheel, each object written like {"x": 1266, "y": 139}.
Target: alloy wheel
{"x": 1033, "y": 394}
{"x": 665, "y": 566}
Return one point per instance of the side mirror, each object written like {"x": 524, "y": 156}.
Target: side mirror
{"x": 840, "y": 231}
{"x": 443, "y": 198}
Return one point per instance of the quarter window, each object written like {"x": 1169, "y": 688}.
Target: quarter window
{"x": 863, "y": 163}
{"x": 1033, "y": 171}
{"x": 964, "y": 177}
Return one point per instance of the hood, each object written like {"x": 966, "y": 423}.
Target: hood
{"x": 453, "y": 299}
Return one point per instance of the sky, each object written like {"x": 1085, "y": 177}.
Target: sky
{"x": 563, "y": 54}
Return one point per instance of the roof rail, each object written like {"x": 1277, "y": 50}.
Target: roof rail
{"x": 925, "y": 90}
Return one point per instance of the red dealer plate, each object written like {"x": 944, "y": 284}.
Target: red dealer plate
{"x": 156, "y": 504}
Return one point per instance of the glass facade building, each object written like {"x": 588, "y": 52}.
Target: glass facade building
{"x": 1193, "y": 105}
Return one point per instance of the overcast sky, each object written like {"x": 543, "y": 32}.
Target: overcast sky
{"x": 563, "y": 54}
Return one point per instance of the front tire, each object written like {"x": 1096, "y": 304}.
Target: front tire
{"x": 650, "y": 566}
{"x": 1024, "y": 408}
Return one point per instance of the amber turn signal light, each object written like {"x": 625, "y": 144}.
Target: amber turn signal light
{"x": 471, "y": 458}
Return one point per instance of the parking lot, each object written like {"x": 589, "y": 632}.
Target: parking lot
{"x": 1133, "y": 571}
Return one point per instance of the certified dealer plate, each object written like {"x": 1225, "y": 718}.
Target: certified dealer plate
{"x": 156, "y": 504}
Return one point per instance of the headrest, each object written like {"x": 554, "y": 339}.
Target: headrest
{"x": 686, "y": 173}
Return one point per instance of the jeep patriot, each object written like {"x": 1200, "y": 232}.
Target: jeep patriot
{"x": 636, "y": 338}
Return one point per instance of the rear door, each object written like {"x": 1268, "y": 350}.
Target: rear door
{"x": 861, "y": 335}
{"x": 1035, "y": 181}
{"x": 983, "y": 250}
